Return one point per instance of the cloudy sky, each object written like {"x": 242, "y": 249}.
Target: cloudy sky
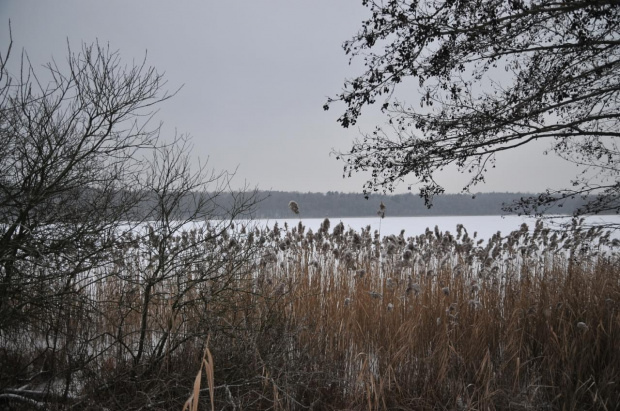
{"x": 254, "y": 76}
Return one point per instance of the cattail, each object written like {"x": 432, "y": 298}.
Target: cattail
{"x": 348, "y": 256}
{"x": 375, "y": 295}
{"x": 381, "y": 212}
{"x": 391, "y": 249}
{"x": 294, "y": 207}
{"x": 338, "y": 229}
{"x": 412, "y": 287}
{"x": 446, "y": 291}
{"x": 390, "y": 307}
{"x": 347, "y": 302}
{"x": 325, "y": 226}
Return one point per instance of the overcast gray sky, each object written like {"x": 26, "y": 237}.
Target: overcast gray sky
{"x": 255, "y": 75}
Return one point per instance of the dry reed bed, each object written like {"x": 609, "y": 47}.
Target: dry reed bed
{"x": 529, "y": 320}
{"x": 340, "y": 319}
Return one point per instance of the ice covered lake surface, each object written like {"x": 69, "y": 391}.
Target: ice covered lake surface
{"x": 484, "y": 226}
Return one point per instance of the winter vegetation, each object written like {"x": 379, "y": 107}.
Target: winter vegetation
{"x": 332, "y": 319}
{"x": 130, "y": 279}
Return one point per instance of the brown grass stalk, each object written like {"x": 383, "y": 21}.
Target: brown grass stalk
{"x": 207, "y": 365}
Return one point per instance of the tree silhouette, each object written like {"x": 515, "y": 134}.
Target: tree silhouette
{"x": 492, "y": 75}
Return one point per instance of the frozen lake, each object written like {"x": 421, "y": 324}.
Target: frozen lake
{"x": 485, "y": 226}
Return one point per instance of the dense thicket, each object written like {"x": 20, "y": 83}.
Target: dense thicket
{"x": 92, "y": 209}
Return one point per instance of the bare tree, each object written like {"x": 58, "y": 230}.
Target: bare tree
{"x": 193, "y": 253}
{"x": 110, "y": 239}
{"x": 68, "y": 151}
{"x": 562, "y": 62}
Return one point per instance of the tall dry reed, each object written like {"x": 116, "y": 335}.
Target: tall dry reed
{"x": 304, "y": 320}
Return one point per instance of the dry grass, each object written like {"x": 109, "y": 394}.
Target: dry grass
{"x": 207, "y": 364}
{"x": 347, "y": 320}
{"x": 524, "y": 322}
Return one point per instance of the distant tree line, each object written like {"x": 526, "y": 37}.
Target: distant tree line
{"x": 275, "y": 204}
{"x": 336, "y": 204}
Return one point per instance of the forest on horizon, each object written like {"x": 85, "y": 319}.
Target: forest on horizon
{"x": 274, "y": 204}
